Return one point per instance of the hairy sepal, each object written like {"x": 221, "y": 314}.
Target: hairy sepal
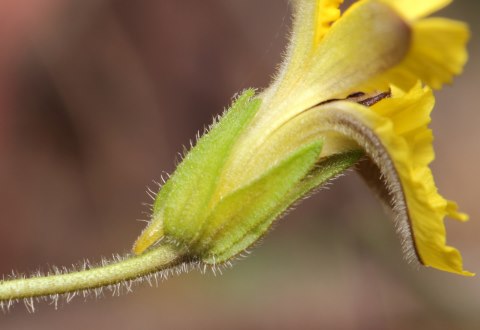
{"x": 195, "y": 180}
{"x": 231, "y": 241}
{"x": 241, "y": 218}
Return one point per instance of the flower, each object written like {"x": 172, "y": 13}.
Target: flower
{"x": 351, "y": 85}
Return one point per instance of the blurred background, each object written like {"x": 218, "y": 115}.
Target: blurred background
{"x": 96, "y": 99}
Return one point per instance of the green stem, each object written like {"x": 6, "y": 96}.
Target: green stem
{"x": 161, "y": 258}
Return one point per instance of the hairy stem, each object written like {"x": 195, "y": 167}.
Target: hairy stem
{"x": 161, "y": 258}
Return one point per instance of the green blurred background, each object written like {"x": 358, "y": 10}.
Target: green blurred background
{"x": 96, "y": 99}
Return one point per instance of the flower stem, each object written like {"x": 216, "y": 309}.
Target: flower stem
{"x": 161, "y": 258}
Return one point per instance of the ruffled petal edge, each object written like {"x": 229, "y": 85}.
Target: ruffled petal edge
{"x": 395, "y": 135}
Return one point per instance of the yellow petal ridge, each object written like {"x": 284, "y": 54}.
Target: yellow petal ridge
{"x": 327, "y": 12}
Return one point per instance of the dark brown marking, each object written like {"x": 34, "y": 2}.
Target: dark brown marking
{"x": 360, "y": 98}
{"x": 368, "y": 102}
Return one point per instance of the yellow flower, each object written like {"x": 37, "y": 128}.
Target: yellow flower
{"x": 349, "y": 82}
{"x": 353, "y": 89}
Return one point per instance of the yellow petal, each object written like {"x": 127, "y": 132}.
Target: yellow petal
{"x": 406, "y": 126}
{"x": 327, "y": 12}
{"x": 394, "y": 133}
{"x": 367, "y": 40}
{"x": 413, "y": 9}
{"x": 437, "y": 53}
{"x": 452, "y": 209}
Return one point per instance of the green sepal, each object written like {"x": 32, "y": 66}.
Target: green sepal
{"x": 328, "y": 168}
{"x": 195, "y": 179}
{"x": 242, "y": 217}
{"x": 264, "y": 200}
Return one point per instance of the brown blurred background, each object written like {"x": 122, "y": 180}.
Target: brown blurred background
{"x": 96, "y": 99}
